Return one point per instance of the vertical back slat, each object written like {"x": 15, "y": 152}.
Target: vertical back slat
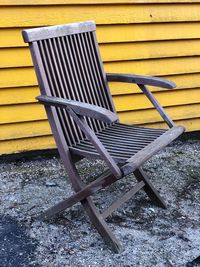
{"x": 73, "y": 68}
{"x": 95, "y": 59}
{"x": 107, "y": 92}
{"x": 76, "y": 131}
{"x": 64, "y": 91}
{"x": 91, "y": 88}
{"x": 70, "y": 89}
{"x": 52, "y": 84}
{"x": 59, "y": 84}
{"x": 93, "y": 71}
{"x": 84, "y": 97}
{"x": 94, "y": 75}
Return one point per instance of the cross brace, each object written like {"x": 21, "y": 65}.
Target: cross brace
{"x": 103, "y": 181}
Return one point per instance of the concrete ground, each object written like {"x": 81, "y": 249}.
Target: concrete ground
{"x": 150, "y": 236}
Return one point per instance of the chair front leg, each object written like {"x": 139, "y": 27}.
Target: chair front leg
{"x": 94, "y": 214}
{"x": 83, "y": 193}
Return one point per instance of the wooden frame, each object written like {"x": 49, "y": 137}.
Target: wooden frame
{"x": 84, "y": 122}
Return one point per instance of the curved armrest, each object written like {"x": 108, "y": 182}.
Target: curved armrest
{"x": 80, "y": 108}
{"x": 139, "y": 79}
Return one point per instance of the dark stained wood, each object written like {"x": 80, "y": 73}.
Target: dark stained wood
{"x": 141, "y": 79}
{"x": 97, "y": 144}
{"x": 127, "y": 136}
{"x": 138, "y": 129}
{"x": 149, "y": 188}
{"x": 121, "y": 146}
{"x": 80, "y": 108}
{"x": 102, "y": 181}
{"x": 102, "y": 227}
{"x": 87, "y": 82}
{"x": 92, "y": 154}
{"x": 101, "y": 72}
{"x": 156, "y": 104}
{"x": 43, "y": 33}
{"x": 143, "y": 155}
{"x": 122, "y": 199}
{"x": 84, "y": 122}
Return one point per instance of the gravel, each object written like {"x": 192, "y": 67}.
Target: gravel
{"x": 150, "y": 236}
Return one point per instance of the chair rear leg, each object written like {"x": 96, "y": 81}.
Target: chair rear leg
{"x": 149, "y": 188}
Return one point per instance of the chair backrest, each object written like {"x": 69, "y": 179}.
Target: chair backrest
{"x": 68, "y": 64}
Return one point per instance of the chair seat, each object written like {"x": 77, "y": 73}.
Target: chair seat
{"x": 121, "y": 141}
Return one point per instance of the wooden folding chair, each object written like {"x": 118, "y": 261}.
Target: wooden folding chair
{"x": 83, "y": 119}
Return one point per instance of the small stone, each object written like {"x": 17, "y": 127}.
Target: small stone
{"x": 71, "y": 252}
{"x": 151, "y": 209}
{"x": 51, "y": 184}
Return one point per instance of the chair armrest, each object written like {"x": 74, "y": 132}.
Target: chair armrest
{"x": 142, "y": 81}
{"x": 80, "y": 108}
{"x": 139, "y": 79}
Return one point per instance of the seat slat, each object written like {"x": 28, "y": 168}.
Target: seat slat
{"x": 120, "y": 149}
{"x": 124, "y": 141}
{"x": 119, "y": 137}
{"x": 128, "y": 136}
{"x": 136, "y": 132}
{"x": 121, "y": 144}
{"x": 85, "y": 152}
{"x": 88, "y": 146}
{"x": 127, "y": 144}
{"x": 131, "y": 135}
{"x": 139, "y": 128}
{"x": 82, "y": 149}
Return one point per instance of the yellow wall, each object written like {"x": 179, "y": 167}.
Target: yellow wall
{"x": 145, "y": 37}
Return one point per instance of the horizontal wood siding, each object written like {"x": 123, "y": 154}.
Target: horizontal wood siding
{"x": 159, "y": 38}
